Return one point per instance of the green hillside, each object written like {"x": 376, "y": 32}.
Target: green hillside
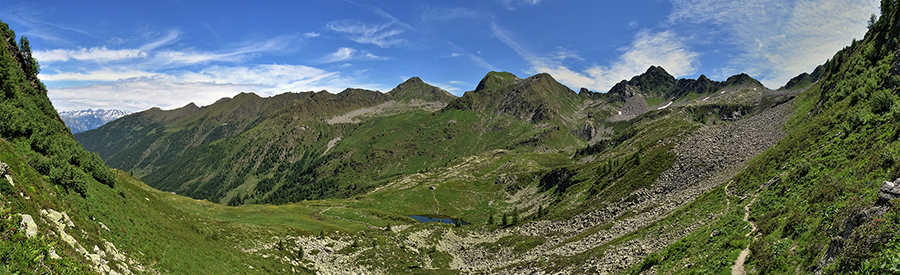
{"x": 659, "y": 176}
{"x": 65, "y": 212}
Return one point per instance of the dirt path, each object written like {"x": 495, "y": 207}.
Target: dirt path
{"x": 438, "y": 204}
{"x": 738, "y": 268}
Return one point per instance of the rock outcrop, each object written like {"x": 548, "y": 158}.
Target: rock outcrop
{"x": 28, "y": 225}
{"x": 889, "y": 191}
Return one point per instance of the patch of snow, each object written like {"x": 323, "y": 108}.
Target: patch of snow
{"x": 620, "y": 113}
{"x": 723, "y": 92}
{"x": 705, "y": 98}
{"x": 667, "y": 105}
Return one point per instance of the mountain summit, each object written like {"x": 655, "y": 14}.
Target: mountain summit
{"x": 416, "y": 89}
{"x": 80, "y": 121}
{"x": 657, "y": 82}
{"x": 537, "y": 98}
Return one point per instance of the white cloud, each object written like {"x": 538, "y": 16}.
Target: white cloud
{"x": 779, "y": 39}
{"x": 311, "y": 34}
{"x": 345, "y": 53}
{"x": 340, "y": 55}
{"x": 169, "y": 38}
{"x": 144, "y": 89}
{"x": 563, "y": 54}
{"x": 101, "y": 54}
{"x": 513, "y": 4}
{"x": 103, "y": 75}
{"x": 661, "y": 49}
{"x": 141, "y": 94}
{"x": 382, "y": 35}
{"x": 188, "y": 58}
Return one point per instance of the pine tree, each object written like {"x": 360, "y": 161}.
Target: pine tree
{"x": 31, "y": 64}
{"x": 457, "y": 222}
{"x": 491, "y": 219}
{"x": 505, "y": 220}
{"x": 540, "y": 212}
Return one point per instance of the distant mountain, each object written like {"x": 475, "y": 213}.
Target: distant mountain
{"x": 534, "y": 99}
{"x": 656, "y": 82}
{"x": 84, "y": 120}
{"x": 805, "y": 79}
{"x": 204, "y": 152}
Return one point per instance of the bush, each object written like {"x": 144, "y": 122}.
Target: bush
{"x": 881, "y": 101}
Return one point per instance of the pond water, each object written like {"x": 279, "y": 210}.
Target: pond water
{"x": 437, "y": 218}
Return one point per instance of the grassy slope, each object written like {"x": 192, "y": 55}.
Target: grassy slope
{"x": 144, "y": 228}
{"x": 828, "y": 168}
{"x": 842, "y": 145}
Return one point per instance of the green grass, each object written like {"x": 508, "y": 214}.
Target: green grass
{"x": 655, "y": 101}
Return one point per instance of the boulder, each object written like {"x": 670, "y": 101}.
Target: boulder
{"x": 889, "y": 190}
{"x": 29, "y": 225}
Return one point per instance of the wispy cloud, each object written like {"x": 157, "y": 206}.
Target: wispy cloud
{"x": 662, "y": 49}
{"x": 476, "y": 60}
{"x": 101, "y": 54}
{"x": 345, "y": 53}
{"x": 169, "y": 38}
{"x": 340, "y": 55}
{"x": 446, "y": 14}
{"x": 37, "y": 25}
{"x": 311, "y": 34}
{"x": 779, "y": 39}
{"x": 102, "y": 75}
{"x": 382, "y": 35}
{"x": 513, "y": 4}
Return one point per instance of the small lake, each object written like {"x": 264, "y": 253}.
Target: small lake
{"x": 437, "y": 218}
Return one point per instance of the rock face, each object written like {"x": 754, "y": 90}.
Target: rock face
{"x": 889, "y": 191}
{"x": 28, "y": 225}
{"x": 62, "y": 221}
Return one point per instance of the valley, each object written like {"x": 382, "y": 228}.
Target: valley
{"x": 657, "y": 176}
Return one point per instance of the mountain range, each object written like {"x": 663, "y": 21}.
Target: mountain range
{"x": 83, "y": 120}
{"x": 659, "y": 175}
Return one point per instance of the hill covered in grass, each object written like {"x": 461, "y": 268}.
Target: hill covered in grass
{"x": 64, "y": 212}
{"x": 698, "y": 177}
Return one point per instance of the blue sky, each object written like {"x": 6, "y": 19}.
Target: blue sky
{"x": 133, "y": 55}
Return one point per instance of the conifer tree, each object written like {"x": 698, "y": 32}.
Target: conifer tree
{"x": 31, "y": 64}
{"x": 490, "y": 219}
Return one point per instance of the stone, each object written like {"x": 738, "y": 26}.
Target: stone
{"x": 889, "y": 190}
{"x": 53, "y": 254}
{"x": 29, "y": 225}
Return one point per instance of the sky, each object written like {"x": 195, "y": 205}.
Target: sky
{"x": 134, "y": 55}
